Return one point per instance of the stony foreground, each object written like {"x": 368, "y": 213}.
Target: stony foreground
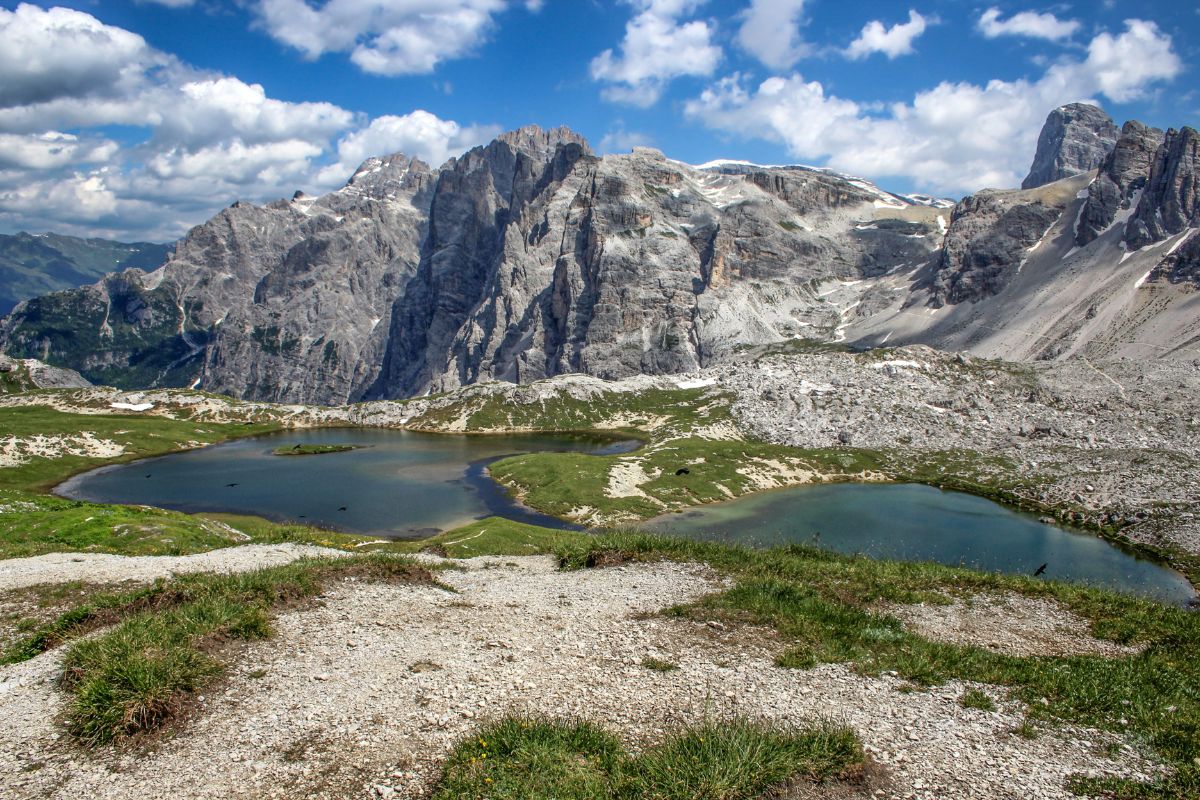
{"x": 361, "y": 695}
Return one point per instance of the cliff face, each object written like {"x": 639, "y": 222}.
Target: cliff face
{"x": 278, "y": 302}
{"x": 1075, "y": 139}
{"x": 1170, "y": 202}
{"x": 988, "y": 242}
{"x": 1123, "y": 173}
{"x": 526, "y": 258}
{"x": 532, "y": 257}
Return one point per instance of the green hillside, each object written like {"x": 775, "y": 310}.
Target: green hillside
{"x": 37, "y": 264}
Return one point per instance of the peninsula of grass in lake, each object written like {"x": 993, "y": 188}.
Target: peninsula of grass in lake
{"x": 315, "y": 449}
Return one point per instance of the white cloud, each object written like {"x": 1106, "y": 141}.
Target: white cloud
{"x": 170, "y": 3}
{"x": 384, "y": 37}
{"x": 1026, "y": 23}
{"x": 619, "y": 140}
{"x": 770, "y": 32}
{"x": 657, "y": 47}
{"x": 201, "y": 139}
{"x": 49, "y": 54}
{"x": 1123, "y": 65}
{"x": 51, "y": 150}
{"x": 418, "y": 134}
{"x": 216, "y": 108}
{"x": 955, "y": 137}
{"x": 76, "y": 198}
{"x": 892, "y": 42}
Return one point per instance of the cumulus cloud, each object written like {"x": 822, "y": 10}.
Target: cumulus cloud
{"x": 955, "y": 137}
{"x": 770, "y": 31}
{"x": 51, "y": 150}
{"x": 191, "y": 141}
{"x": 1026, "y": 23}
{"x": 892, "y": 42}
{"x": 658, "y": 47}
{"x": 384, "y": 37}
{"x": 57, "y": 53}
{"x": 419, "y": 134}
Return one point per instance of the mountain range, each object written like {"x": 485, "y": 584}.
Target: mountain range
{"x": 35, "y": 264}
{"x": 532, "y": 256}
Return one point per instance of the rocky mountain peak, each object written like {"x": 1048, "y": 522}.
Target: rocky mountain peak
{"x": 541, "y": 144}
{"x": 1171, "y": 200}
{"x": 1075, "y": 139}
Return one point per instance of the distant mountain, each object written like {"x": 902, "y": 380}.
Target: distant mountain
{"x": 531, "y": 257}
{"x": 36, "y": 264}
{"x": 1101, "y": 264}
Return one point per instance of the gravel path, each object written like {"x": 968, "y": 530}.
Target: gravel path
{"x": 17, "y": 573}
{"x": 362, "y": 695}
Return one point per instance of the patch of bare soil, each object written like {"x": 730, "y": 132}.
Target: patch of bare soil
{"x": 1011, "y": 623}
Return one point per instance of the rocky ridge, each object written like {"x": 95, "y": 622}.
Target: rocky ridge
{"x": 531, "y": 257}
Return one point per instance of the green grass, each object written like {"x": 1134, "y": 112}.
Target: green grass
{"x": 314, "y": 449}
{"x": 537, "y": 759}
{"x": 822, "y": 604}
{"x": 35, "y": 524}
{"x": 658, "y": 665}
{"x": 561, "y": 483}
{"x": 973, "y": 698}
{"x": 165, "y": 640}
{"x": 140, "y": 436}
{"x": 674, "y": 409}
{"x": 494, "y": 536}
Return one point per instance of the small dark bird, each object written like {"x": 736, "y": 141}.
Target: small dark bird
{"x": 147, "y": 474}
{"x": 343, "y": 508}
{"x": 230, "y": 485}
{"x": 1040, "y": 570}
{"x": 297, "y": 447}
{"x": 303, "y": 517}
{"x": 683, "y": 471}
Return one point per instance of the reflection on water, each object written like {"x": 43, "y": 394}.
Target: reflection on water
{"x": 398, "y": 484}
{"x": 912, "y": 522}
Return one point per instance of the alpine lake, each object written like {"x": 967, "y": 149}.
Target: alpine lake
{"x": 405, "y": 485}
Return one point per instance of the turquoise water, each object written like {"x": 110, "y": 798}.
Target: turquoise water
{"x": 913, "y": 522}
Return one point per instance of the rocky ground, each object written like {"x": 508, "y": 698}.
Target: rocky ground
{"x": 361, "y": 695}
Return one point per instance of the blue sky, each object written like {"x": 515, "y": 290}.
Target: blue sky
{"x": 140, "y": 118}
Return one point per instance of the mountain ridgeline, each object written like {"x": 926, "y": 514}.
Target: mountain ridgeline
{"x": 531, "y": 257}
{"x": 35, "y": 264}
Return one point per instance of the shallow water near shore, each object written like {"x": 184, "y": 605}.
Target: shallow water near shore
{"x": 914, "y": 522}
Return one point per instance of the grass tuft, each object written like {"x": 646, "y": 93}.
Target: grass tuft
{"x": 165, "y": 643}
{"x": 973, "y": 698}
{"x": 534, "y": 759}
